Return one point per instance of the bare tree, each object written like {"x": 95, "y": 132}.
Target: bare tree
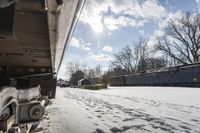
{"x": 95, "y": 72}
{"x": 133, "y": 60}
{"x": 139, "y": 59}
{"x": 73, "y": 67}
{"x": 90, "y": 73}
{"x": 98, "y": 71}
{"x": 141, "y": 53}
{"x": 76, "y": 76}
{"x": 156, "y": 63}
{"x": 182, "y": 41}
{"x": 124, "y": 60}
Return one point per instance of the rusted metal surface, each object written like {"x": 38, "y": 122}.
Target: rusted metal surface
{"x": 25, "y": 95}
{"x": 6, "y": 3}
{"x": 6, "y": 26}
{"x": 36, "y": 112}
{"x": 62, "y": 21}
{"x": 34, "y": 34}
{"x": 6, "y": 124}
{"x": 30, "y": 112}
{"x": 42, "y": 33}
{"x": 8, "y": 107}
{"x": 6, "y": 96}
{"x": 31, "y": 46}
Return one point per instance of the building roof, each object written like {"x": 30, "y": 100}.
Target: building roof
{"x": 82, "y": 80}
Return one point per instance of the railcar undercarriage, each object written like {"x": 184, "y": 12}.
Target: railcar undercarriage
{"x": 33, "y": 37}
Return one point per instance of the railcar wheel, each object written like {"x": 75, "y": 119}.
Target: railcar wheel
{"x": 36, "y": 112}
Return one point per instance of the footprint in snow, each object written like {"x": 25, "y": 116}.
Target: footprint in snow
{"x": 98, "y": 111}
{"x": 116, "y": 130}
{"x": 99, "y": 130}
{"x": 98, "y": 116}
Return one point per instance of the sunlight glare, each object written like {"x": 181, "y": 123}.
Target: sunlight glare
{"x": 97, "y": 27}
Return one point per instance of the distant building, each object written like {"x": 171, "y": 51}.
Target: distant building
{"x": 84, "y": 82}
{"x": 94, "y": 81}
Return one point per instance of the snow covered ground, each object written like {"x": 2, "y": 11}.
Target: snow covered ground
{"x": 124, "y": 109}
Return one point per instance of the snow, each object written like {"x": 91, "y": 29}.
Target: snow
{"x": 124, "y": 109}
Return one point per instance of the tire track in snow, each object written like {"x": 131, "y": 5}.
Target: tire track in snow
{"x": 120, "y": 118}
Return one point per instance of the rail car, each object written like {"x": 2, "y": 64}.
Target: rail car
{"x": 183, "y": 75}
{"x": 34, "y": 35}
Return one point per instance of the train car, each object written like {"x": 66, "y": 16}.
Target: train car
{"x": 184, "y": 75}
{"x": 117, "y": 81}
{"x": 34, "y": 35}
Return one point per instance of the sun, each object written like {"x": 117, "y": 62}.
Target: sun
{"x": 97, "y": 27}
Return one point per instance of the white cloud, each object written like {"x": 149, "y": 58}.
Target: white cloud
{"x": 107, "y": 49}
{"x": 98, "y": 45}
{"x": 151, "y": 8}
{"x": 92, "y": 15}
{"x": 113, "y": 23}
{"x": 160, "y": 32}
{"x": 141, "y": 32}
{"x": 171, "y": 16}
{"x": 79, "y": 43}
{"x": 109, "y": 33}
{"x": 164, "y": 23}
{"x": 62, "y": 71}
{"x": 101, "y": 57}
{"x": 136, "y": 8}
{"x": 75, "y": 43}
{"x": 124, "y": 13}
{"x": 198, "y": 1}
{"x": 87, "y": 48}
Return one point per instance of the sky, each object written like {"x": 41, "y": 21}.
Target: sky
{"x": 106, "y": 26}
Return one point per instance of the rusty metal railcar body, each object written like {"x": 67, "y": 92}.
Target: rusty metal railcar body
{"x": 117, "y": 80}
{"x": 184, "y": 75}
{"x": 33, "y": 37}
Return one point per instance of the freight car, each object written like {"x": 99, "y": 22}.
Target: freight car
{"x": 34, "y": 35}
{"x": 117, "y": 80}
{"x": 183, "y": 75}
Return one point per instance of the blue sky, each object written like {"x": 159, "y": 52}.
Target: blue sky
{"x": 105, "y": 26}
